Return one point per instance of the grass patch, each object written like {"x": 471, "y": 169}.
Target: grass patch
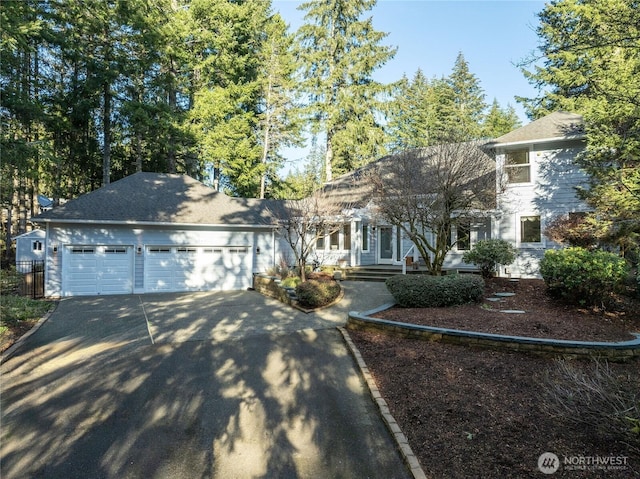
{"x": 14, "y": 309}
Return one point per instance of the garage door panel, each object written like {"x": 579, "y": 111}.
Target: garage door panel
{"x": 89, "y": 270}
{"x": 201, "y": 268}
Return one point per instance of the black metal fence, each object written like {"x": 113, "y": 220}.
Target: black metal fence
{"x": 31, "y": 278}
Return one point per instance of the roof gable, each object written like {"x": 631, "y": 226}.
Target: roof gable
{"x": 159, "y": 198}
{"x": 557, "y": 125}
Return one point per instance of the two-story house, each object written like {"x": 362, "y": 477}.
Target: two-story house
{"x": 153, "y": 232}
{"x": 535, "y": 182}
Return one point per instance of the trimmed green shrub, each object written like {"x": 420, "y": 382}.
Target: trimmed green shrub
{"x": 583, "y": 276}
{"x": 423, "y": 291}
{"x": 290, "y": 282}
{"x": 487, "y": 254}
{"x": 317, "y": 292}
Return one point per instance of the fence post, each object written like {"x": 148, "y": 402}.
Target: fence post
{"x": 33, "y": 279}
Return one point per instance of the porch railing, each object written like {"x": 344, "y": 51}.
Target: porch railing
{"x": 404, "y": 259}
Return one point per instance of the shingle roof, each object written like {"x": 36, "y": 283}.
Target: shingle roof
{"x": 560, "y": 124}
{"x": 354, "y": 189}
{"x": 159, "y": 198}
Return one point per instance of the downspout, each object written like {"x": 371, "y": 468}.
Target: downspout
{"x": 273, "y": 242}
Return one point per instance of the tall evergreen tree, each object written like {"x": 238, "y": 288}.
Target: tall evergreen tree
{"x": 590, "y": 64}
{"x": 426, "y": 112}
{"x": 339, "y": 52}
{"x": 500, "y": 121}
{"x": 21, "y": 115}
{"x": 468, "y": 107}
{"x": 228, "y": 37}
{"x": 280, "y": 123}
{"x": 410, "y": 113}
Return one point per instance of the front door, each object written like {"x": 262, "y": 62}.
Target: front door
{"x": 385, "y": 245}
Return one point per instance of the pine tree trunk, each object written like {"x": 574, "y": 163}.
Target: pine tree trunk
{"x": 106, "y": 125}
{"x": 328, "y": 159}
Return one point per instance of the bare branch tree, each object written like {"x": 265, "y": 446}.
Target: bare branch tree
{"x": 427, "y": 191}
{"x": 302, "y": 222}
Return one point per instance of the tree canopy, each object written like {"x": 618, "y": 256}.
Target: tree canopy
{"x": 339, "y": 51}
{"x": 425, "y": 112}
{"x": 589, "y": 63}
{"x": 95, "y": 90}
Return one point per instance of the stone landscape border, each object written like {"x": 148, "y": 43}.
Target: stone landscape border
{"x": 408, "y": 456}
{"x": 611, "y": 350}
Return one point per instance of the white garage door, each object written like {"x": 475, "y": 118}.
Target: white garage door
{"x": 197, "y": 268}
{"x": 97, "y": 270}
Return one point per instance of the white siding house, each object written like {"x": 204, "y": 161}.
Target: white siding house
{"x": 539, "y": 180}
{"x": 153, "y": 232}
{"x": 536, "y": 182}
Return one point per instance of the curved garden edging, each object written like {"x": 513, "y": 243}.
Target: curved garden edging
{"x": 611, "y": 350}
{"x": 268, "y": 286}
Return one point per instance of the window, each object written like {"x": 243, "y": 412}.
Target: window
{"x": 83, "y": 250}
{"x": 346, "y": 237}
{"x": 115, "y": 250}
{"x": 530, "y": 230}
{"x": 517, "y": 166}
{"x": 159, "y": 249}
{"x": 464, "y": 236}
{"x": 37, "y": 246}
{"x": 320, "y": 241}
{"x": 365, "y": 237}
{"x": 334, "y": 239}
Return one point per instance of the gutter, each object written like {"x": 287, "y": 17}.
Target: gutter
{"x": 149, "y": 223}
{"x": 537, "y": 141}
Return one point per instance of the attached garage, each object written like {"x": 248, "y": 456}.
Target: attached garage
{"x": 97, "y": 269}
{"x": 197, "y": 268}
{"x": 153, "y": 232}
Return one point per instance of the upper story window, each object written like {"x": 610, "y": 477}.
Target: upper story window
{"x": 517, "y": 166}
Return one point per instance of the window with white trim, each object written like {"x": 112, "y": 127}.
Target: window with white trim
{"x": 346, "y": 237}
{"x": 83, "y": 250}
{"x": 463, "y": 232}
{"x": 517, "y": 166}
{"x": 365, "y": 237}
{"x": 320, "y": 242}
{"x": 334, "y": 240}
{"x": 530, "y": 229}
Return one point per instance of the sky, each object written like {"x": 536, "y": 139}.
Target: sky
{"x": 494, "y": 36}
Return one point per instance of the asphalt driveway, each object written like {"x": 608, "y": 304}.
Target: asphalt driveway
{"x": 218, "y": 385}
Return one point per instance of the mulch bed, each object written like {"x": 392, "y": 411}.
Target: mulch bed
{"x": 476, "y": 413}
{"x": 544, "y": 317}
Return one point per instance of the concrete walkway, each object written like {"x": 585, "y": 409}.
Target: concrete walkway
{"x": 217, "y": 385}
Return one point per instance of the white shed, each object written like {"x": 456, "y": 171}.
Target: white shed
{"x": 30, "y": 246}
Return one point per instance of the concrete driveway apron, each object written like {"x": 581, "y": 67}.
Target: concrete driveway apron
{"x": 220, "y": 385}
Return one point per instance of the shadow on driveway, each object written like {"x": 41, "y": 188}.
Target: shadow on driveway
{"x": 90, "y": 395}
